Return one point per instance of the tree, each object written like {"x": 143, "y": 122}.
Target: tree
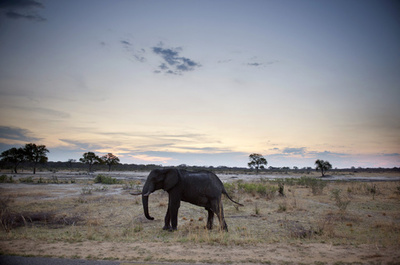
{"x": 91, "y": 159}
{"x": 14, "y": 156}
{"x": 110, "y": 160}
{"x": 323, "y": 166}
{"x": 35, "y": 154}
{"x": 257, "y": 161}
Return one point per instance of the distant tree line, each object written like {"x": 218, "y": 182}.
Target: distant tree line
{"x": 34, "y": 156}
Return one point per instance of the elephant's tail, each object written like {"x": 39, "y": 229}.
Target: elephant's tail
{"x": 229, "y": 197}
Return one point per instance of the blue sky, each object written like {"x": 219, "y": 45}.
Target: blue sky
{"x": 203, "y": 82}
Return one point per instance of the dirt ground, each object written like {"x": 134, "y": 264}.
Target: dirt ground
{"x": 294, "y": 253}
{"x": 104, "y": 222}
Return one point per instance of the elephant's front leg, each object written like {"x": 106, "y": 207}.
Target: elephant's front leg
{"x": 167, "y": 220}
{"x": 173, "y": 207}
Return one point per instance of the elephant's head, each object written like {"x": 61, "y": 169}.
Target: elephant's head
{"x": 164, "y": 179}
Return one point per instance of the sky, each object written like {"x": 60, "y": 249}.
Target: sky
{"x": 203, "y": 83}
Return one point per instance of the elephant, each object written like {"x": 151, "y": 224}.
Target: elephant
{"x": 201, "y": 188}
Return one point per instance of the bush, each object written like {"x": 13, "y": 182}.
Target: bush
{"x": 316, "y": 185}
{"x": 6, "y": 179}
{"x": 26, "y": 180}
{"x": 260, "y": 189}
{"x": 105, "y": 180}
{"x": 339, "y": 201}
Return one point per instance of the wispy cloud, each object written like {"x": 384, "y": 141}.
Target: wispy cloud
{"x": 22, "y": 9}
{"x": 258, "y": 63}
{"x": 173, "y": 62}
{"x": 137, "y": 54}
{"x": 294, "y": 151}
{"x": 15, "y": 133}
{"x": 80, "y": 145}
{"x": 20, "y": 4}
{"x": 44, "y": 111}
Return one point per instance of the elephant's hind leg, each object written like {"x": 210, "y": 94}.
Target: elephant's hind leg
{"x": 218, "y": 209}
{"x": 210, "y": 219}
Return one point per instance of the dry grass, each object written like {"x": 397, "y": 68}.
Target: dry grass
{"x": 300, "y": 216}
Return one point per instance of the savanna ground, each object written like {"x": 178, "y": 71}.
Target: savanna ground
{"x": 315, "y": 222}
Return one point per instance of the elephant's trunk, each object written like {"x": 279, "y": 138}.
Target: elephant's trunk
{"x": 147, "y": 189}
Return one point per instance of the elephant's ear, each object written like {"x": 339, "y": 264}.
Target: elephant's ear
{"x": 172, "y": 178}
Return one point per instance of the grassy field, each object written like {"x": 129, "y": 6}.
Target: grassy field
{"x": 303, "y": 220}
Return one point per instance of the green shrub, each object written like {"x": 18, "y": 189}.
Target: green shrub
{"x": 26, "y": 180}
{"x": 316, "y": 185}
{"x": 105, "y": 180}
{"x": 230, "y": 187}
{"x": 260, "y": 189}
{"x": 6, "y": 179}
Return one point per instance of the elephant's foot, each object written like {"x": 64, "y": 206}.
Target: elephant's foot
{"x": 169, "y": 228}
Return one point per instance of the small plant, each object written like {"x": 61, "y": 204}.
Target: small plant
{"x": 282, "y": 207}
{"x": 86, "y": 190}
{"x": 256, "y": 210}
{"x": 281, "y": 187}
{"x": 101, "y": 188}
{"x": 371, "y": 190}
{"x": 54, "y": 179}
{"x": 340, "y": 203}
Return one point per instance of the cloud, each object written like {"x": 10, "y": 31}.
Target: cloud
{"x": 255, "y": 64}
{"x": 82, "y": 146}
{"x": 44, "y": 111}
{"x": 173, "y": 62}
{"x": 15, "y": 133}
{"x": 294, "y": 151}
{"x": 15, "y": 15}
{"x": 327, "y": 154}
{"x": 392, "y": 154}
{"x": 24, "y": 6}
{"x": 20, "y": 4}
{"x": 126, "y": 43}
{"x": 137, "y": 54}
{"x": 261, "y": 64}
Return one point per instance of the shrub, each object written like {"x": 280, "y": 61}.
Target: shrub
{"x": 105, "y": 180}
{"x": 339, "y": 201}
{"x": 260, "y": 189}
{"x": 26, "y": 180}
{"x": 316, "y": 185}
{"x": 6, "y": 179}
